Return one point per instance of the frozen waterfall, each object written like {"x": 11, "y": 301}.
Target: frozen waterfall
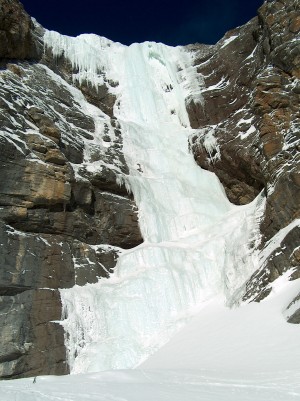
{"x": 196, "y": 243}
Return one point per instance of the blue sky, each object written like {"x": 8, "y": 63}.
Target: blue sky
{"x": 171, "y": 22}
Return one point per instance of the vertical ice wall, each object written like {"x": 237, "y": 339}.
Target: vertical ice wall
{"x": 196, "y": 243}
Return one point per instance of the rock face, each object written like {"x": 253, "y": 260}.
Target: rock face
{"x": 248, "y": 129}
{"x": 57, "y": 204}
{"x": 62, "y": 193}
{"x": 17, "y": 36}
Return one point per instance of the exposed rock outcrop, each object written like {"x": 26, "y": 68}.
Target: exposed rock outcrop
{"x": 248, "y": 129}
{"x": 57, "y": 203}
{"x": 17, "y": 33}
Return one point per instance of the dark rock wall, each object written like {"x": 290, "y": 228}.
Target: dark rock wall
{"x": 251, "y": 108}
{"x": 17, "y": 36}
{"x": 54, "y": 210}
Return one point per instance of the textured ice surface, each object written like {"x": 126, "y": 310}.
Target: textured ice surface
{"x": 197, "y": 244}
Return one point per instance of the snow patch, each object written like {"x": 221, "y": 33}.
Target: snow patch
{"x": 222, "y": 84}
{"x": 229, "y": 40}
{"x": 244, "y": 135}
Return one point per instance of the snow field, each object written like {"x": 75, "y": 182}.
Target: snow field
{"x": 247, "y": 354}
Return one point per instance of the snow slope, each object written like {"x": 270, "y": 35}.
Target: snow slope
{"x": 132, "y": 385}
{"x": 251, "y": 338}
{"x": 247, "y": 354}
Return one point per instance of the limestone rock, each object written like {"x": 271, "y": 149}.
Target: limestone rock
{"x": 61, "y": 222}
{"x": 31, "y": 342}
{"x": 16, "y": 32}
{"x": 293, "y": 311}
{"x": 247, "y": 127}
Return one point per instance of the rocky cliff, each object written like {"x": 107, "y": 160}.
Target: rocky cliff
{"x": 251, "y": 110}
{"x": 66, "y": 211}
{"x": 55, "y": 208}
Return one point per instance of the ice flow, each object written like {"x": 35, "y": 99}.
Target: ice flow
{"x": 196, "y": 243}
